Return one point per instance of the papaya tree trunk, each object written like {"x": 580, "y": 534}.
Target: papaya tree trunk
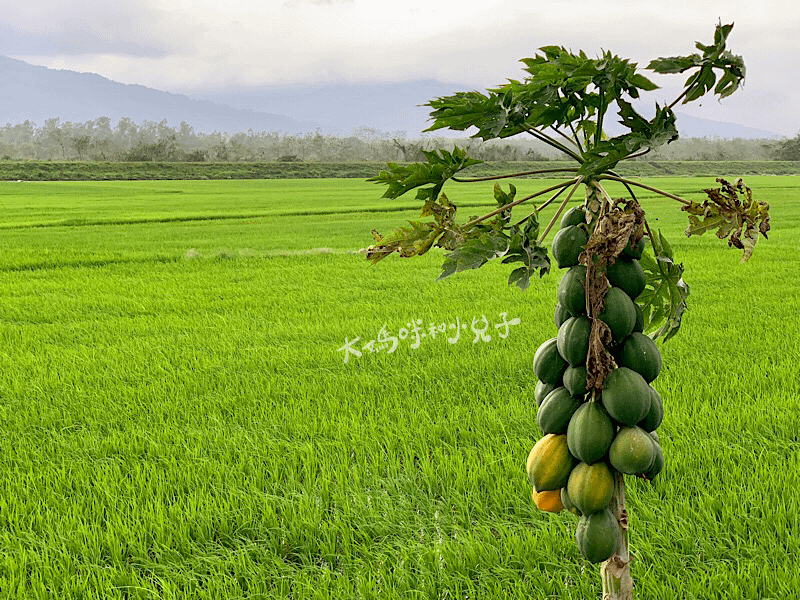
{"x": 616, "y": 571}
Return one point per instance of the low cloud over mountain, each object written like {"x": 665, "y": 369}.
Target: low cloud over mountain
{"x": 38, "y": 93}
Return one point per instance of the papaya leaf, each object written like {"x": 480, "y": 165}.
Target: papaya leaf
{"x": 502, "y": 198}
{"x": 644, "y": 134}
{"x": 524, "y": 248}
{"x": 475, "y": 252}
{"x": 663, "y": 300}
{"x": 442, "y": 210}
{"x": 562, "y": 89}
{"x": 406, "y": 241}
{"x": 493, "y": 114}
{"x": 440, "y": 167}
{"x": 715, "y": 56}
{"x": 732, "y": 213}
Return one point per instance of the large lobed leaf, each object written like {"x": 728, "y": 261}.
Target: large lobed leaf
{"x": 730, "y": 211}
{"x": 434, "y": 173}
{"x": 563, "y": 90}
{"x": 715, "y": 56}
{"x": 644, "y": 134}
{"x": 663, "y": 300}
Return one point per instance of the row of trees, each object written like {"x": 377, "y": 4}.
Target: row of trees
{"x": 99, "y": 139}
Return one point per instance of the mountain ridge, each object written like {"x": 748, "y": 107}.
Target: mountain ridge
{"x": 38, "y": 93}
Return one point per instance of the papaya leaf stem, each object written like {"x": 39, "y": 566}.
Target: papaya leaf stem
{"x": 646, "y": 187}
{"x": 551, "y": 142}
{"x": 601, "y": 113}
{"x": 563, "y": 184}
{"x": 679, "y": 98}
{"x": 578, "y": 181}
{"x": 650, "y": 235}
{"x": 577, "y": 139}
{"x": 608, "y": 200}
{"x": 638, "y": 154}
{"x": 514, "y": 175}
{"x": 541, "y": 206}
{"x": 572, "y": 140}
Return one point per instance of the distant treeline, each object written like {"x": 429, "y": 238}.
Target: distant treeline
{"x": 126, "y": 141}
{"x": 51, "y": 170}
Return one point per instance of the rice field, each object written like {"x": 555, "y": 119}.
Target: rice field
{"x": 177, "y": 418}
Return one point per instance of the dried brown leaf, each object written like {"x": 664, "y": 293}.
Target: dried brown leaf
{"x": 609, "y": 239}
{"x": 731, "y": 211}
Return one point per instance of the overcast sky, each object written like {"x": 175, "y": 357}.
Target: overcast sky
{"x": 197, "y": 45}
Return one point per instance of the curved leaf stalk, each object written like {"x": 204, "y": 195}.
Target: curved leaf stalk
{"x": 601, "y": 113}
{"x": 679, "y": 98}
{"x": 551, "y": 142}
{"x": 578, "y": 181}
{"x": 541, "y": 206}
{"x": 646, "y": 187}
{"x": 607, "y": 201}
{"x": 577, "y": 139}
{"x": 514, "y": 175}
{"x": 561, "y": 185}
{"x": 650, "y": 236}
{"x": 615, "y": 573}
{"x": 574, "y": 141}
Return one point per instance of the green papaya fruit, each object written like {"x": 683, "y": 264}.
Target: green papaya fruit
{"x": 573, "y": 340}
{"x": 572, "y": 290}
{"x": 548, "y": 366}
{"x": 597, "y": 536}
{"x": 627, "y": 274}
{"x": 557, "y": 409}
{"x": 575, "y": 379}
{"x": 568, "y": 244}
{"x": 640, "y": 353}
{"x": 633, "y": 451}
{"x": 626, "y": 396}
{"x": 590, "y": 432}
{"x": 619, "y": 313}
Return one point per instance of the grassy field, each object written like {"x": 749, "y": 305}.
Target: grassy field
{"x": 177, "y": 419}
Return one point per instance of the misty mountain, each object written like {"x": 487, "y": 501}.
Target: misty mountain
{"x": 395, "y": 107}
{"x": 38, "y": 93}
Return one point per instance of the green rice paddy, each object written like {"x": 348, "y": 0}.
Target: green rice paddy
{"x": 177, "y": 419}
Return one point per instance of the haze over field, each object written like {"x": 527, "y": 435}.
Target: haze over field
{"x": 314, "y": 60}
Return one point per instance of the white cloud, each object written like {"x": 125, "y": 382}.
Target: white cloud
{"x": 181, "y": 45}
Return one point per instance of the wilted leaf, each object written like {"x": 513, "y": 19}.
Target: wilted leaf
{"x": 502, "y": 198}
{"x": 442, "y": 210}
{"x": 730, "y": 211}
{"x": 407, "y": 241}
{"x": 609, "y": 238}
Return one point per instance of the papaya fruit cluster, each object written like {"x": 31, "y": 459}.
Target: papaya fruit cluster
{"x": 589, "y": 438}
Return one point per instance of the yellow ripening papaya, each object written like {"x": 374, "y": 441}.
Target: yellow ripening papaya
{"x": 549, "y": 463}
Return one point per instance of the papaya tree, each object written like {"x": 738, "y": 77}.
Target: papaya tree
{"x": 622, "y": 288}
